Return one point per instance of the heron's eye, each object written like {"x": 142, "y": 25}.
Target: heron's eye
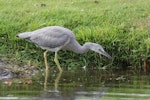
{"x": 99, "y": 49}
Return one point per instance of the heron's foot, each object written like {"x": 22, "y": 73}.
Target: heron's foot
{"x": 46, "y": 78}
{"x": 57, "y": 80}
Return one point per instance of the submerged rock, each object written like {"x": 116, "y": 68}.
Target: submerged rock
{"x": 9, "y": 70}
{"x": 5, "y": 74}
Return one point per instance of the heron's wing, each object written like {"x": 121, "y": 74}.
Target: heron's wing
{"x": 49, "y": 40}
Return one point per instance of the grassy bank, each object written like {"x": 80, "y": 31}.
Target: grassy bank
{"x": 122, "y": 27}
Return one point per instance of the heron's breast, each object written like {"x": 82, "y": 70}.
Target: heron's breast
{"x": 51, "y": 49}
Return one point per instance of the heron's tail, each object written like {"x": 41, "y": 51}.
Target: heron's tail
{"x": 24, "y": 35}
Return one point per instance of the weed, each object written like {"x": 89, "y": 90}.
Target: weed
{"x": 121, "y": 27}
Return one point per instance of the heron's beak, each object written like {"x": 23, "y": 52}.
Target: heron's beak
{"x": 105, "y": 54}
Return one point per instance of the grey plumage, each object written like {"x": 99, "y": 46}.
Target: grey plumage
{"x": 50, "y": 38}
{"x": 55, "y": 38}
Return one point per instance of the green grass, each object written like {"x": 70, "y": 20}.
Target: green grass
{"x": 120, "y": 26}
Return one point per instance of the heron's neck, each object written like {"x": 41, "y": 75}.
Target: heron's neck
{"x": 82, "y": 49}
{"x": 76, "y": 47}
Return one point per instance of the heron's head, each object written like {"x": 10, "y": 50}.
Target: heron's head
{"x": 98, "y": 48}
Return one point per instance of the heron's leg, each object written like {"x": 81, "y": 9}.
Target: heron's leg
{"x": 57, "y": 81}
{"x": 46, "y": 65}
{"x": 45, "y": 59}
{"x": 57, "y": 62}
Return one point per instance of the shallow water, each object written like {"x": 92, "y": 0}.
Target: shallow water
{"x": 77, "y": 85}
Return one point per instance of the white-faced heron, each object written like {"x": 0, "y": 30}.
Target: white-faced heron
{"x": 55, "y": 38}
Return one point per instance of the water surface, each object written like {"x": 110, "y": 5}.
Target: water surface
{"x": 79, "y": 84}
